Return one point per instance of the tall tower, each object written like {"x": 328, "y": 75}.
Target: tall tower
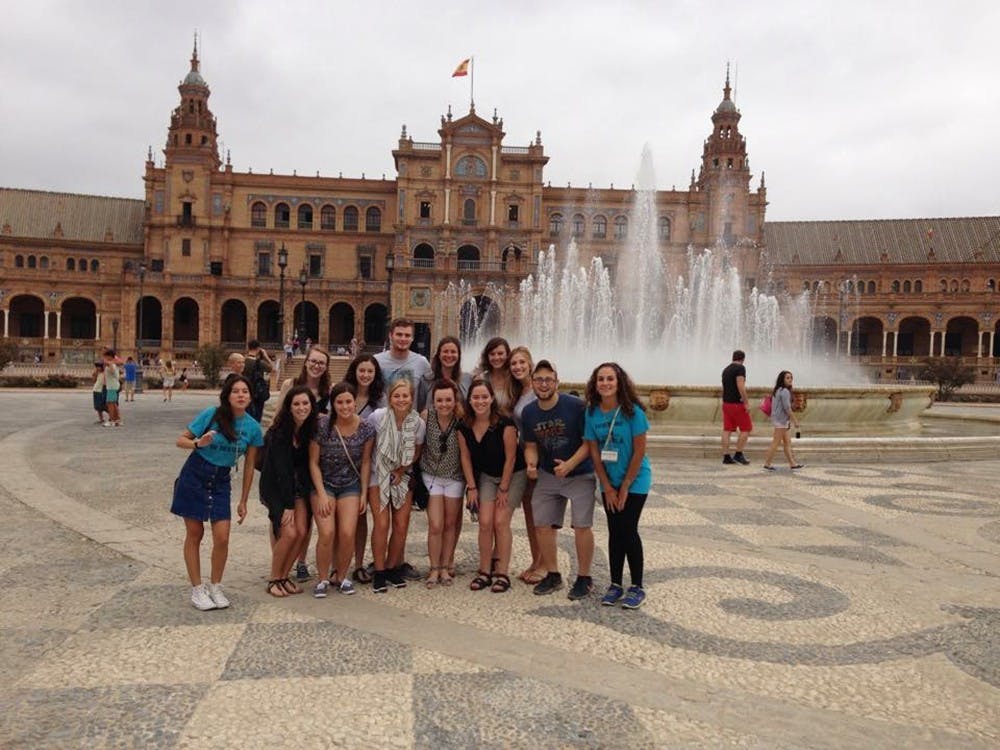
{"x": 192, "y": 137}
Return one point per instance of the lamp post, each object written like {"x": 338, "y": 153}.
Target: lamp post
{"x": 282, "y": 264}
{"x": 390, "y": 266}
{"x": 114, "y": 327}
{"x": 138, "y": 329}
{"x": 303, "y": 280}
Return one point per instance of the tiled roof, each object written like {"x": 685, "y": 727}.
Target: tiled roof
{"x": 88, "y": 218}
{"x": 965, "y": 240}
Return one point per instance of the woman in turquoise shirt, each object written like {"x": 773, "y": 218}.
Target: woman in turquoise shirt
{"x": 615, "y": 429}
{"x": 216, "y": 438}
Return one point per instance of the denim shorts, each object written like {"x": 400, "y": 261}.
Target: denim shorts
{"x": 202, "y": 491}
{"x": 99, "y": 403}
{"x": 354, "y": 488}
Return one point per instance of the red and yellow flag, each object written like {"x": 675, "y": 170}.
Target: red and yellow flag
{"x": 462, "y": 69}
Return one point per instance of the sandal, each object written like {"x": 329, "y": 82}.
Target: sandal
{"x": 361, "y": 575}
{"x": 481, "y": 581}
{"x": 447, "y": 577}
{"x": 431, "y": 583}
{"x": 290, "y": 586}
{"x": 275, "y": 585}
{"x": 501, "y": 583}
{"x": 532, "y": 577}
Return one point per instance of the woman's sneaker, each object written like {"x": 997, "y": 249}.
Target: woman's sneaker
{"x": 396, "y": 577}
{"x": 634, "y": 598}
{"x": 612, "y": 595}
{"x": 379, "y": 586}
{"x": 346, "y": 587}
{"x": 320, "y": 590}
{"x": 216, "y": 595}
{"x": 200, "y": 598}
{"x": 301, "y": 572}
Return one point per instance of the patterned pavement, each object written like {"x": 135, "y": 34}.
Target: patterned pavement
{"x": 842, "y": 606}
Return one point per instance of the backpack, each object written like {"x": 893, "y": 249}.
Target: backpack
{"x": 260, "y": 390}
{"x": 765, "y": 404}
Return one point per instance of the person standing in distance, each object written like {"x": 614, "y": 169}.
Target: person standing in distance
{"x": 559, "y": 459}
{"x": 256, "y": 370}
{"x": 735, "y": 409}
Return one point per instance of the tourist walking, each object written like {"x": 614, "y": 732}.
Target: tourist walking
{"x": 441, "y": 463}
{"x": 735, "y": 409}
{"x": 559, "y": 459}
{"x": 615, "y": 430}
{"x": 285, "y": 484}
{"x": 183, "y": 378}
{"x": 340, "y": 461}
{"x": 496, "y": 479}
{"x": 98, "y": 394}
{"x": 782, "y": 419}
{"x": 494, "y": 365}
{"x": 216, "y": 438}
{"x": 112, "y": 384}
{"x": 168, "y": 375}
{"x": 399, "y": 440}
{"x": 257, "y": 370}
{"x": 130, "y": 369}
{"x": 521, "y": 365}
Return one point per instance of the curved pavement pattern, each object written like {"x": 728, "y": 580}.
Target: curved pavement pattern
{"x": 844, "y": 606}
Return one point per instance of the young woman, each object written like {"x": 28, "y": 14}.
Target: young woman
{"x": 496, "y": 480}
{"x": 441, "y": 463}
{"x": 168, "y": 381}
{"x": 399, "y": 440}
{"x": 782, "y": 418}
{"x": 315, "y": 373}
{"x": 365, "y": 375}
{"x": 446, "y": 364}
{"x": 340, "y": 460}
{"x": 285, "y": 483}
{"x": 183, "y": 379}
{"x": 216, "y": 438}
{"x": 98, "y": 393}
{"x": 494, "y": 366}
{"x": 615, "y": 428}
{"x": 521, "y": 366}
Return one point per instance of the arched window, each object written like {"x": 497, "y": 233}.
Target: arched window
{"x": 805, "y": 286}
{"x": 469, "y": 212}
{"x": 944, "y": 285}
{"x": 991, "y": 285}
{"x": 906, "y": 287}
{"x": 918, "y": 286}
{"x": 965, "y": 283}
{"x": 895, "y": 286}
{"x": 328, "y": 217}
{"x": 621, "y": 227}
{"x": 305, "y": 216}
{"x": 43, "y": 262}
{"x": 373, "y": 220}
{"x": 423, "y": 256}
{"x": 578, "y": 225}
{"x": 32, "y": 261}
{"x": 849, "y": 286}
{"x": 258, "y": 215}
{"x": 18, "y": 261}
{"x": 70, "y": 264}
{"x": 94, "y": 266}
{"x": 663, "y": 228}
{"x": 954, "y": 285}
{"x": 82, "y": 265}
{"x": 555, "y": 225}
{"x": 600, "y": 226}
{"x": 350, "y": 219}
{"x": 282, "y": 216}
{"x": 871, "y": 287}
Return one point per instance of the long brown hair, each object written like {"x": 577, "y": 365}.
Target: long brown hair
{"x": 470, "y": 415}
{"x": 324, "y": 380}
{"x": 627, "y": 397}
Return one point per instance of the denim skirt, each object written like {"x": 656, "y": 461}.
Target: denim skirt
{"x": 202, "y": 491}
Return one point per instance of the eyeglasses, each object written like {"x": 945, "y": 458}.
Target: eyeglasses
{"x": 320, "y": 362}
{"x": 543, "y": 381}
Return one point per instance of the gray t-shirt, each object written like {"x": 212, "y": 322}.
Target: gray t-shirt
{"x": 781, "y": 408}
{"x": 414, "y": 367}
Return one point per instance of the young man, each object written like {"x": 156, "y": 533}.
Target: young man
{"x": 558, "y": 457}
{"x": 130, "y": 371}
{"x": 258, "y": 365}
{"x": 735, "y": 409}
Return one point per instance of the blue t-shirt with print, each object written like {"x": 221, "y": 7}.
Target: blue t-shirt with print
{"x": 130, "y": 371}
{"x": 598, "y": 424}
{"x": 557, "y": 431}
{"x": 222, "y": 451}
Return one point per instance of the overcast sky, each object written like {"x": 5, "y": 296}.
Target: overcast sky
{"x": 853, "y": 109}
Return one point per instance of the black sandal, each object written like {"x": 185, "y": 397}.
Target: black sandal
{"x": 276, "y": 584}
{"x": 361, "y": 575}
{"x": 501, "y": 583}
{"x": 481, "y": 581}
{"x": 290, "y": 587}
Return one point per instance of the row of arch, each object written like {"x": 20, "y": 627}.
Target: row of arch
{"x": 42, "y": 262}
{"x": 913, "y": 336}
{"x": 599, "y": 226}
{"x": 896, "y": 286}
{"x": 305, "y": 217}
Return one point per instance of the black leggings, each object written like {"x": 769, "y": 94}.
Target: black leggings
{"x": 624, "y": 541}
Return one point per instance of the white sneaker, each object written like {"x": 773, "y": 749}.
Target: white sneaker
{"x": 107, "y": 424}
{"x": 216, "y": 595}
{"x": 200, "y": 598}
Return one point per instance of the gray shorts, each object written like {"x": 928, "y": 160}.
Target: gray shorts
{"x": 488, "y": 486}
{"x": 548, "y": 502}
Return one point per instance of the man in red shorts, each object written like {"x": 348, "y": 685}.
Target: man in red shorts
{"x": 735, "y": 409}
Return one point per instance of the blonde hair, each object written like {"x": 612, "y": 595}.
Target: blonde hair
{"x": 517, "y": 386}
{"x": 396, "y": 385}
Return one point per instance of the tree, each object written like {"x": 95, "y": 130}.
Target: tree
{"x": 210, "y": 359}
{"x": 8, "y": 351}
{"x": 948, "y": 373}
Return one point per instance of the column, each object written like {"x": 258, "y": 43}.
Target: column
{"x": 847, "y": 351}
{"x": 45, "y": 325}
{"x": 979, "y": 345}
{"x": 58, "y": 324}
{"x": 493, "y": 208}
{"x": 97, "y": 328}
{"x": 885, "y": 337}
{"x": 942, "y": 343}
{"x": 895, "y": 343}
{"x": 447, "y": 206}
{"x": 989, "y": 352}
{"x": 6, "y": 323}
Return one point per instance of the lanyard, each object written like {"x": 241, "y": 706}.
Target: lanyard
{"x": 611, "y": 428}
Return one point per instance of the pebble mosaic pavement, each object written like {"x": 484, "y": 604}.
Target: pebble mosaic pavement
{"x": 841, "y": 606}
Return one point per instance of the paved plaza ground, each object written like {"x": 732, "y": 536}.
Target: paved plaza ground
{"x": 846, "y": 606}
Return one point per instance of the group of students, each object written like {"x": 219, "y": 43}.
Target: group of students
{"x": 496, "y": 440}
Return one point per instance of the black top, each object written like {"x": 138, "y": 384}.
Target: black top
{"x": 488, "y": 455}
{"x": 284, "y": 474}
{"x": 730, "y": 393}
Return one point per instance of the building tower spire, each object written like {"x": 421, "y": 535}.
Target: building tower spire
{"x": 192, "y": 136}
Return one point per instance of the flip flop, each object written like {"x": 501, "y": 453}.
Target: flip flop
{"x": 275, "y": 585}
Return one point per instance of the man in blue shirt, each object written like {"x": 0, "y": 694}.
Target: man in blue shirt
{"x": 557, "y": 456}
{"x": 130, "y": 371}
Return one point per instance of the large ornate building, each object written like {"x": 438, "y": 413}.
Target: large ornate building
{"x": 215, "y": 255}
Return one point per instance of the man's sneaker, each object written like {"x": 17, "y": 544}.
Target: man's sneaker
{"x": 346, "y": 587}
{"x": 741, "y": 459}
{"x": 551, "y": 582}
{"x": 301, "y": 571}
{"x": 768, "y": 468}
{"x": 634, "y": 598}
{"x": 727, "y": 459}
{"x": 395, "y": 577}
{"x": 200, "y": 598}
{"x": 409, "y": 572}
{"x": 612, "y": 595}
{"x": 379, "y": 586}
{"x": 320, "y": 590}
{"x": 582, "y": 587}
{"x": 216, "y": 595}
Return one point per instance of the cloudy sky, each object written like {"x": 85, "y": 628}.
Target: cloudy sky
{"x": 853, "y": 109}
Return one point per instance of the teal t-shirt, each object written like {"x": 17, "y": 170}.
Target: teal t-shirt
{"x": 596, "y": 426}
{"x": 222, "y": 451}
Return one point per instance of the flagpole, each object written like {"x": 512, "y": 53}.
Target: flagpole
{"x": 472, "y": 83}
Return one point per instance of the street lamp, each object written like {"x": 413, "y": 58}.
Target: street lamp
{"x": 282, "y": 264}
{"x": 114, "y": 327}
{"x": 303, "y": 280}
{"x": 138, "y": 328}
{"x": 390, "y": 266}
